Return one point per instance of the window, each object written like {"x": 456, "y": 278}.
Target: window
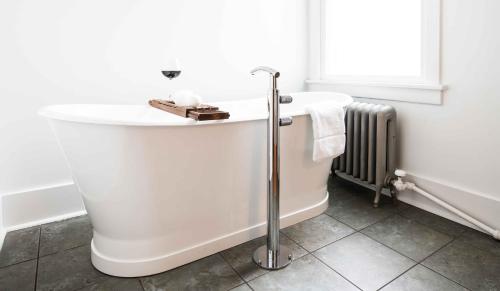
{"x": 387, "y": 49}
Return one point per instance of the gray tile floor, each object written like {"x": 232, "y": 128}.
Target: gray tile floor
{"x": 351, "y": 246}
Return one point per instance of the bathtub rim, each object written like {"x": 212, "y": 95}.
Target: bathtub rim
{"x": 52, "y": 112}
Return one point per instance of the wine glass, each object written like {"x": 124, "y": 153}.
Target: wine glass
{"x": 173, "y": 69}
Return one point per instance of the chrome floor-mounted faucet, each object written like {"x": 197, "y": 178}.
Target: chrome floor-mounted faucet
{"x": 273, "y": 256}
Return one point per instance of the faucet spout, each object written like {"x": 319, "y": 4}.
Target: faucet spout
{"x": 269, "y": 70}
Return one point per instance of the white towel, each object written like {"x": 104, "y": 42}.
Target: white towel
{"x": 328, "y": 129}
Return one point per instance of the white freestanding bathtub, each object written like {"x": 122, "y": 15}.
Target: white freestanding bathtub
{"x": 162, "y": 190}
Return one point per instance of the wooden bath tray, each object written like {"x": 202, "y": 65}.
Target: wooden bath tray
{"x": 200, "y": 113}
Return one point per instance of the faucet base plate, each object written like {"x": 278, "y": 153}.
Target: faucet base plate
{"x": 265, "y": 259}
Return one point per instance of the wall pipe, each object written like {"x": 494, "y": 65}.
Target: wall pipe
{"x": 400, "y": 186}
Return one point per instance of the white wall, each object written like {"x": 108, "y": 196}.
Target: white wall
{"x": 68, "y": 51}
{"x": 453, "y": 149}
{"x": 2, "y": 229}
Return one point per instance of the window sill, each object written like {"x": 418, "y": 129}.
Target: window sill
{"x": 403, "y": 92}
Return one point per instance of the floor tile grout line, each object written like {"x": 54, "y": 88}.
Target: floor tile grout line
{"x": 360, "y": 232}
{"x": 339, "y": 221}
{"x": 258, "y": 276}
{"x": 108, "y": 279}
{"x": 306, "y": 250}
{"x": 15, "y": 264}
{"x": 396, "y": 251}
{"x": 64, "y": 250}
{"x": 453, "y": 238}
{"x": 406, "y": 256}
{"x": 392, "y": 214}
{"x": 310, "y": 252}
{"x": 440, "y": 231}
{"x": 351, "y": 234}
{"x": 244, "y": 283}
{"x": 386, "y": 218}
{"x": 400, "y": 211}
{"x": 247, "y": 281}
{"x": 431, "y": 270}
{"x": 23, "y": 261}
{"x": 414, "y": 261}
{"x": 141, "y": 283}
{"x": 267, "y": 271}
{"x": 330, "y": 243}
{"x": 434, "y": 252}
{"x": 241, "y": 276}
{"x": 394, "y": 279}
{"x": 331, "y": 268}
{"x": 38, "y": 257}
{"x": 232, "y": 268}
{"x": 251, "y": 288}
{"x": 421, "y": 262}
{"x": 379, "y": 221}
{"x": 291, "y": 239}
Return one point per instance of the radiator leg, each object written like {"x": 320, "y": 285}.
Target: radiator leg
{"x": 394, "y": 194}
{"x": 376, "y": 201}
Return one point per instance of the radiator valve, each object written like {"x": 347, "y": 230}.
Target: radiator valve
{"x": 399, "y": 184}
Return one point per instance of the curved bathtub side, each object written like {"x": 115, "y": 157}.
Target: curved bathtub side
{"x": 160, "y": 197}
{"x": 152, "y": 265}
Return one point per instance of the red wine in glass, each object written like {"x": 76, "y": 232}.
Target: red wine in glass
{"x": 171, "y": 74}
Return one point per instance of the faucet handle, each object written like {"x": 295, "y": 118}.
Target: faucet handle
{"x": 285, "y": 121}
{"x": 286, "y": 99}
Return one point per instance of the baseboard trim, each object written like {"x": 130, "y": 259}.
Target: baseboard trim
{"x": 46, "y": 220}
{"x": 41, "y": 205}
{"x": 3, "y": 232}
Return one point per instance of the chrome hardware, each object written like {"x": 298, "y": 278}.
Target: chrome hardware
{"x": 273, "y": 256}
{"x": 286, "y": 99}
{"x": 284, "y": 121}
{"x": 275, "y": 74}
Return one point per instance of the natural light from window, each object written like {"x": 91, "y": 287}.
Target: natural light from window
{"x": 368, "y": 38}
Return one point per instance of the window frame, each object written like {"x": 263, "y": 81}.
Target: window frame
{"x": 426, "y": 89}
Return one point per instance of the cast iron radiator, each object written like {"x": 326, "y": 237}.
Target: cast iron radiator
{"x": 370, "y": 154}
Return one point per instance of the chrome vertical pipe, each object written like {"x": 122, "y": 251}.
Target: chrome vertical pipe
{"x": 273, "y": 256}
{"x": 273, "y": 171}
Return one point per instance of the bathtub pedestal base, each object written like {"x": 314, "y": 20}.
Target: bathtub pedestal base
{"x": 269, "y": 261}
